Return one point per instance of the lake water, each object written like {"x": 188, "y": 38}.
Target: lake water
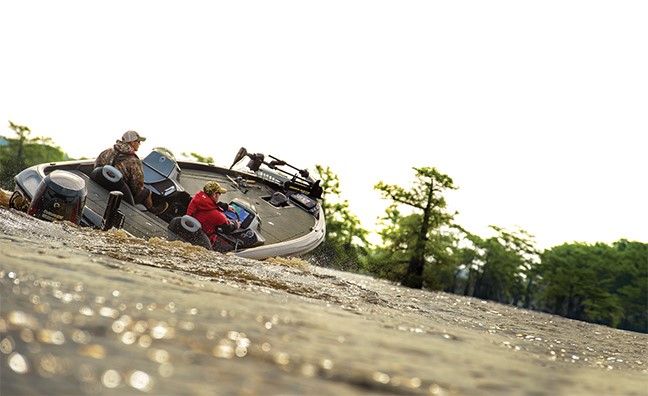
{"x": 89, "y": 312}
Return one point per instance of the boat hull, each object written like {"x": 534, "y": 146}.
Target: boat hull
{"x": 290, "y": 229}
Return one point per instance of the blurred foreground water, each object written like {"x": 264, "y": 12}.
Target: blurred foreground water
{"x": 90, "y": 312}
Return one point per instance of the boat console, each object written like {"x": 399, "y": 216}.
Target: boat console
{"x": 161, "y": 173}
{"x": 247, "y": 235}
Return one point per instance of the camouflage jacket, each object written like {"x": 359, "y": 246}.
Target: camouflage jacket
{"x": 122, "y": 157}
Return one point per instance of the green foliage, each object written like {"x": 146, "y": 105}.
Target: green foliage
{"x": 502, "y": 268}
{"x": 22, "y": 151}
{"x": 398, "y": 234}
{"x": 346, "y": 241}
{"x": 200, "y": 158}
{"x": 418, "y": 237}
{"x": 597, "y": 283}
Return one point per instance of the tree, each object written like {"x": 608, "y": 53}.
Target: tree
{"x": 200, "y": 158}
{"x": 346, "y": 241}
{"x": 22, "y": 151}
{"x": 508, "y": 271}
{"x": 579, "y": 282}
{"x": 426, "y": 196}
{"x": 631, "y": 284}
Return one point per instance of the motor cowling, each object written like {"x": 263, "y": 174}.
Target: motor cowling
{"x": 60, "y": 196}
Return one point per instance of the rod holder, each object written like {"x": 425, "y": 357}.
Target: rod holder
{"x": 112, "y": 217}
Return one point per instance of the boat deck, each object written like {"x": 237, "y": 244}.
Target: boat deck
{"x": 278, "y": 224}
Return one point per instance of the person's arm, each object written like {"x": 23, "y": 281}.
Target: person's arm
{"x": 229, "y": 227}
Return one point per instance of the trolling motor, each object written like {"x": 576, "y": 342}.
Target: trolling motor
{"x": 301, "y": 180}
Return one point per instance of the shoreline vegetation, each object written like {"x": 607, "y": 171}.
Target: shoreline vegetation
{"x": 423, "y": 247}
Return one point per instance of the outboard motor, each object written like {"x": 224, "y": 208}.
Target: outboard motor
{"x": 60, "y": 195}
{"x": 189, "y": 230}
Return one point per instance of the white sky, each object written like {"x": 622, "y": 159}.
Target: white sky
{"x": 537, "y": 110}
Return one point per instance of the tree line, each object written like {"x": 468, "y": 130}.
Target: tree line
{"x": 422, "y": 246}
{"x": 20, "y": 151}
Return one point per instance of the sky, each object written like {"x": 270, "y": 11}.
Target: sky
{"x": 537, "y": 110}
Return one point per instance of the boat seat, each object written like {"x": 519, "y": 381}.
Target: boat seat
{"x": 111, "y": 179}
{"x": 189, "y": 230}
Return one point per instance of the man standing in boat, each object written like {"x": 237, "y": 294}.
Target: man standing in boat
{"x": 206, "y": 208}
{"x": 123, "y": 156}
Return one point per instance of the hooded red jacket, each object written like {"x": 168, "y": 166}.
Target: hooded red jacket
{"x": 203, "y": 208}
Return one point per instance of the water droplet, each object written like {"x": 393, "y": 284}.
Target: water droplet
{"x": 21, "y": 319}
{"x": 116, "y": 293}
{"x": 240, "y": 351}
{"x": 308, "y": 370}
{"x": 6, "y": 345}
{"x": 66, "y": 317}
{"x": 223, "y": 350}
{"x": 161, "y": 330}
{"x": 140, "y": 326}
{"x": 27, "y": 335}
{"x": 68, "y": 297}
{"x": 108, "y": 312}
{"x": 18, "y": 363}
{"x": 145, "y": 341}
{"x": 140, "y": 381}
{"x": 380, "y": 377}
{"x": 165, "y": 370}
{"x": 187, "y": 326}
{"x": 111, "y": 379}
{"x": 436, "y": 389}
{"x": 80, "y": 336}
{"x": 159, "y": 355}
{"x": 118, "y": 326}
{"x": 49, "y": 365}
{"x": 86, "y": 373}
{"x": 54, "y": 337}
{"x": 326, "y": 364}
{"x": 93, "y": 350}
{"x": 128, "y": 338}
{"x": 86, "y": 311}
{"x": 282, "y": 358}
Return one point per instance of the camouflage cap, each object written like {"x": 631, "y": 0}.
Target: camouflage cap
{"x": 213, "y": 187}
{"x": 132, "y": 136}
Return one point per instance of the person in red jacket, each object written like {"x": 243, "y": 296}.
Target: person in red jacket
{"x": 205, "y": 208}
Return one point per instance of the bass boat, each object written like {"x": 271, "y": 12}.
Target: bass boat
{"x": 277, "y": 204}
